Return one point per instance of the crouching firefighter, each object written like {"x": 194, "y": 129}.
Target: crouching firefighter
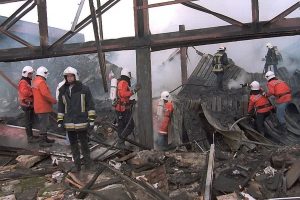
{"x": 165, "y": 110}
{"x": 26, "y": 101}
{"x": 283, "y": 95}
{"x": 76, "y": 113}
{"x": 220, "y": 60}
{"x": 124, "y": 106}
{"x": 260, "y": 105}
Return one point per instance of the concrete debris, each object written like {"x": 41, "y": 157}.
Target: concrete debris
{"x": 270, "y": 171}
{"x": 232, "y": 196}
{"x": 9, "y": 197}
{"x": 57, "y": 176}
{"x": 247, "y": 196}
{"x": 28, "y": 161}
{"x": 293, "y": 174}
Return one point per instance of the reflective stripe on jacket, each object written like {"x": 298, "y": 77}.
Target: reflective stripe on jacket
{"x": 75, "y": 109}
{"x": 25, "y": 93}
{"x": 164, "y": 125}
{"x": 280, "y": 90}
{"x": 42, "y": 98}
{"x": 260, "y": 103}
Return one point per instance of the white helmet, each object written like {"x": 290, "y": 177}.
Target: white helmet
{"x": 222, "y": 48}
{"x": 255, "y": 85}
{"x": 26, "y": 70}
{"x": 126, "y": 72}
{"x": 269, "y": 45}
{"x": 165, "y": 95}
{"x": 71, "y": 70}
{"x": 42, "y": 71}
{"x": 269, "y": 75}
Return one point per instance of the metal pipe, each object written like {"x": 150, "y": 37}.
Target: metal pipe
{"x": 237, "y": 121}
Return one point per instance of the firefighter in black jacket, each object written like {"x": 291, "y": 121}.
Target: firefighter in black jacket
{"x": 220, "y": 60}
{"x": 76, "y": 113}
{"x": 271, "y": 59}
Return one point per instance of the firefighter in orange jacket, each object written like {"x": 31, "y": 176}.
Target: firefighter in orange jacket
{"x": 26, "y": 101}
{"x": 123, "y": 107}
{"x": 165, "y": 119}
{"x": 283, "y": 95}
{"x": 43, "y": 101}
{"x": 259, "y": 104}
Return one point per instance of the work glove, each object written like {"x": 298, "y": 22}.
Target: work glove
{"x": 91, "y": 126}
{"x": 136, "y": 89}
{"x": 60, "y": 126}
{"x": 250, "y": 115}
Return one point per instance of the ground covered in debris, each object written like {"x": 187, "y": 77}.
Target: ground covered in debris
{"x": 262, "y": 173}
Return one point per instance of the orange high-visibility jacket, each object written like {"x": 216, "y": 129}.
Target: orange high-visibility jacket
{"x": 280, "y": 90}
{"x": 123, "y": 94}
{"x": 260, "y": 103}
{"x": 25, "y": 93}
{"x": 42, "y": 98}
{"x": 168, "y": 109}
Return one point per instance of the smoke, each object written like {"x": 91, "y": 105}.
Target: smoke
{"x": 235, "y": 84}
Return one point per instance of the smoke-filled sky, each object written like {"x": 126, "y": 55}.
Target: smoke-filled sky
{"x": 118, "y": 22}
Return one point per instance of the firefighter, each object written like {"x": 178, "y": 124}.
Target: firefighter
{"x": 164, "y": 119}
{"x": 76, "y": 113}
{"x": 220, "y": 60}
{"x": 26, "y": 102}
{"x": 42, "y": 104}
{"x": 271, "y": 59}
{"x": 283, "y": 95}
{"x": 259, "y": 105}
{"x": 123, "y": 107}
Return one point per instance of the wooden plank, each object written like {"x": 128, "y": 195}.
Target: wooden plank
{"x": 205, "y": 68}
{"x": 101, "y": 58}
{"x": 219, "y": 103}
{"x": 287, "y": 27}
{"x": 199, "y": 65}
{"x": 12, "y": 16}
{"x": 220, "y": 16}
{"x": 183, "y": 59}
{"x": 210, "y": 173}
{"x": 143, "y": 71}
{"x": 43, "y": 23}
{"x": 214, "y": 103}
{"x": 203, "y": 65}
{"x": 255, "y": 14}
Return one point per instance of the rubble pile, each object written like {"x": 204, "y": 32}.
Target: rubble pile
{"x": 263, "y": 173}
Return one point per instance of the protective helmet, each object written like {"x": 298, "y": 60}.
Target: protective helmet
{"x": 255, "y": 85}
{"x": 269, "y": 45}
{"x": 165, "y": 95}
{"x": 71, "y": 70}
{"x": 26, "y": 70}
{"x": 42, "y": 71}
{"x": 222, "y": 48}
{"x": 126, "y": 72}
{"x": 269, "y": 75}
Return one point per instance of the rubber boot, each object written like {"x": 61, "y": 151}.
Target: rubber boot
{"x": 76, "y": 156}
{"x": 49, "y": 140}
{"x": 88, "y": 163}
{"x": 43, "y": 142}
{"x": 30, "y": 137}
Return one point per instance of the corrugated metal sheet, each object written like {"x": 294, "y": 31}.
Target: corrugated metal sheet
{"x": 226, "y": 106}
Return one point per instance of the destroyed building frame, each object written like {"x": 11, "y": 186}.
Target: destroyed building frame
{"x": 143, "y": 42}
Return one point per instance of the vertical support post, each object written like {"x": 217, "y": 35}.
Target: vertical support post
{"x": 98, "y": 45}
{"x": 143, "y": 71}
{"x": 255, "y": 14}
{"x": 183, "y": 59}
{"x": 43, "y": 23}
{"x": 210, "y": 173}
